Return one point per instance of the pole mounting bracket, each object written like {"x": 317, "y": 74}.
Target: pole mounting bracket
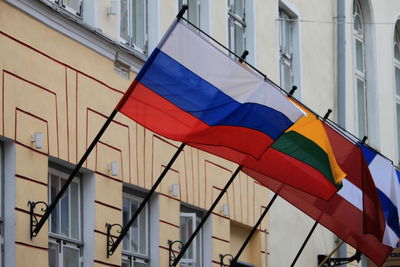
{"x": 34, "y": 217}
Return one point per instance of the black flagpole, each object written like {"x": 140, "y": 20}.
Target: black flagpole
{"x": 37, "y": 225}
{"x": 304, "y": 244}
{"x": 235, "y": 259}
{"x": 111, "y": 247}
{"x": 205, "y": 217}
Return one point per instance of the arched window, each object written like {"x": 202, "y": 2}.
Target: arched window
{"x": 359, "y": 70}
{"x": 396, "y": 56}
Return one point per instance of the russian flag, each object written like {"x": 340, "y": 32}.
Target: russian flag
{"x": 192, "y": 92}
{"x": 386, "y": 179}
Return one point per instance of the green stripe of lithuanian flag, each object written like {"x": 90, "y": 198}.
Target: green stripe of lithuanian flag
{"x": 308, "y": 142}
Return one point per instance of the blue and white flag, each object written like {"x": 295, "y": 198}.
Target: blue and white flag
{"x": 386, "y": 179}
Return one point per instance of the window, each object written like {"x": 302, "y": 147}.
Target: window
{"x": 193, "y": 12}
{"x": 359, "y": 70}
{"x": 237, "y": 26}
{"x": 193, "y": 255}
{"x": 396, "y": 53}
{"x": 72, "y": 6}
{"x": 135, "y": 251}
{"x": 133, "y": 24}
{"x": 286, "y": 50}
{"x": 65, "y": 245}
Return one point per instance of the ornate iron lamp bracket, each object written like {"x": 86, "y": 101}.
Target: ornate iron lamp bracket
{"x": 222, "y": 259}
{"x": 171, "y": 252}
{"x": 339, "y": 261}
{"x": 110, "y": 238}
{"x": 34, "y": 217}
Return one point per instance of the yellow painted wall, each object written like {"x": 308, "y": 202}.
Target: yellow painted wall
{"x": 54, "y": 85}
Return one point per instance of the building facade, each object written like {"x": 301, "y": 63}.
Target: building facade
{"x": 66, "y": 63}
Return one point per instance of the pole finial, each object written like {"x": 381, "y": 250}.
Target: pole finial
{"x": 364, "y": 139}
{"x": 243, "y": 56}
{"x": 294, "y": 88}
{"x": 182, "y": 11}
{"x": 327, "y": 114}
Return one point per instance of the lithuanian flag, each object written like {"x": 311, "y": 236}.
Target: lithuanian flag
{"x": 307, "y": 141}
{"x": 302, "y": 158}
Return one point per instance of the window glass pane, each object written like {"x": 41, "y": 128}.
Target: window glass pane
{"x": 361, "y": 99}
{"x": 125, "y": 218}
{"x": 74, "y": 4}
{"x": 74, "y": 194}
{"x": 139, "y": 264}
{"x": 139, "y": 23}
{"x": 135, "y": 229}
{"x": 54, "y": 217}
{"x": 358, "y": 27}
{"x": 397, "y": 75}
{"x": 239, "y": 40}
{"x": 125, "y": 263}
{"x": 288, "y": 38}
{"x": 186, "y": 228}
{"x": 238, "y": 7}
{"x": 396, "y": 51}
{"x": 192, "y": 11}
{"x": 286, "y": 75}
{"x": 65, "y": 213}
{"x": 53, "y": 255}
{"x": 70, "y": 257}
{"x": 124, "y": 28}
{"x": 398, "y": 129}
{"x": 359, "y": 56}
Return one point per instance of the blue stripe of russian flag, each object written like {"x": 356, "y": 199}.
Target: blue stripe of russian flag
{"x": 179, "y": 85}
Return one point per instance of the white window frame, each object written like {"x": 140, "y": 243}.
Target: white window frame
{"x": 286, "y": 55}
{"x": 236, "y": 20}
{"x": 360, "y": 75}
{"x": 60, "y": 3}
{"x": 130, "y": 254}
{"x": 130, "y": 42}
{"x": 132, "y": 260}
{"x": 65, "y": 244}
{"x": 197, "y": 10}
{"x": 195, "y": 221}
{"x": 58, "y": 238}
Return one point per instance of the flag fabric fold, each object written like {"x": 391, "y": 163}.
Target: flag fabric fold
{"x": 343, "y": 214}
{"x": 386, "y": 180}
{"x": 190, "y": 91}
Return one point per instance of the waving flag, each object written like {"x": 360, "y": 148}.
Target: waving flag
{"x": 355, "y": 206}
{"x": 386, "y": 179}
{"x": 192, "y": 92}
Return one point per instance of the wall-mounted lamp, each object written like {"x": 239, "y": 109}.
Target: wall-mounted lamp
{"x": 112, "y": 10}
{"x": 113, "y": 168}
{"x": 225, "y": 210}
{"x": 37, "y": 140}
{"x": 174, "y": 190}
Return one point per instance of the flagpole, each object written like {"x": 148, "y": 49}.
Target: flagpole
{"x": 330, "y": 254}
{"x": 304, "y": 244}
{"x": 205, "y": 217}
{"x": 236, "y": 258}
{"x": 111, "y": 247}
{"x": 37, "y": 225}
